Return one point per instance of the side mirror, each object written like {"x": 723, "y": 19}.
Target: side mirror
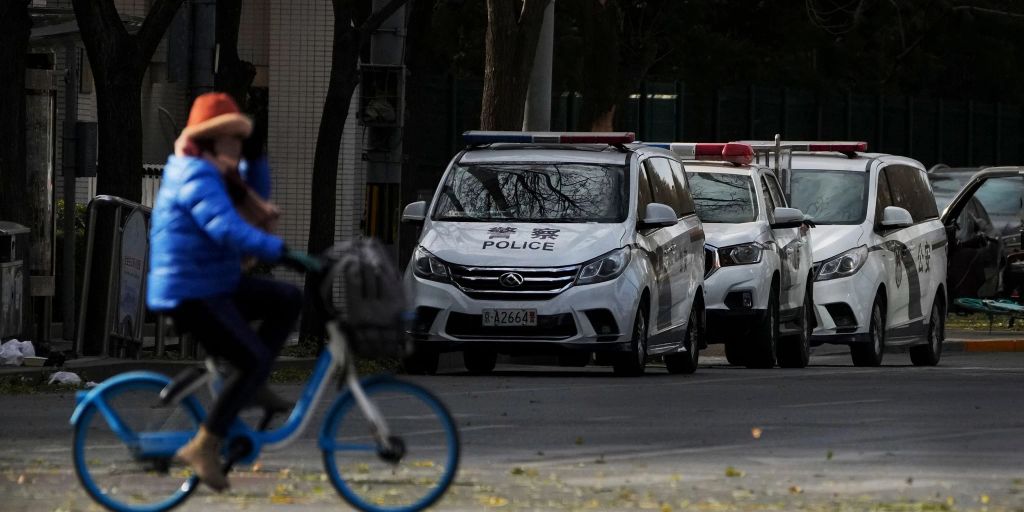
{"x": 787, "y": 218}
{"x": 658, "y": 215}
{"x": 894, "y": 217}
{"x": 415, "y": 213}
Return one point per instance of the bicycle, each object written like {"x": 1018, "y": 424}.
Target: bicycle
{"x": 144, "y": 417}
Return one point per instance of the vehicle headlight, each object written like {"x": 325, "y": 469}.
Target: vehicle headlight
{"x": 428, "y": 266}
{"x": 605, "y": 268}
{"x": 843, "y": 265}
{"x": 742, "y": 254}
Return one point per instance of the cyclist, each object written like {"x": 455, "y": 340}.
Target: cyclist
{"x": 197, "y": 242}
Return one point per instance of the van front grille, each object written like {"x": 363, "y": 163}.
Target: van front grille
{"x": 506, "y": 283}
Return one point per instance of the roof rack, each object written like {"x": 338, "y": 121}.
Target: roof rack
{"x": 848, "y": 148}
{"x": 481, "y": 137}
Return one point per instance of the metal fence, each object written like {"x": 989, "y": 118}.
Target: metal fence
{"x": 953, "y": 132}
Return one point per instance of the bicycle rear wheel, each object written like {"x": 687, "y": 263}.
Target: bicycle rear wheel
{"x": 422, "y": 428}
{"x": 124, "y": 445}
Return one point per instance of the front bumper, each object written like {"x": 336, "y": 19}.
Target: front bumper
{"x": 843, "y": 307}
{"x": 449, "y": 320}
{"x": 737, "y": 300}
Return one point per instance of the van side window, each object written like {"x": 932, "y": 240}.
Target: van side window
{"x": 663, "y": 185}
{"x": 910, "y": 191}
{"x": 769, "y": 202}
{"x": 883, "y": 198}
{"x": 643, "y": 193}
{"x": 777, "y": 196}
{"x": 683, "y": 185}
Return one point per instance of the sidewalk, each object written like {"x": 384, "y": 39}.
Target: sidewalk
{"x": 100, "y": 368}
{"x": 958, "y": 340}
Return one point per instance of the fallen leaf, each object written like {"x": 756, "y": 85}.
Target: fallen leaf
{"x": 579, "y": 440}
{"x": 795, "y": 489}
{"x": 493, "y": 501}
{"x": 756, "y": 432}
{"x": 732, "y": 472}
{"x": 828, "y": 456}
{"x": 21, "y": 479}
{"x": 984, "y": 499}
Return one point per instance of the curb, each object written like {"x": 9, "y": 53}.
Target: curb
{"x": 100, "y": 369}
{"x": 1005, "y": 345}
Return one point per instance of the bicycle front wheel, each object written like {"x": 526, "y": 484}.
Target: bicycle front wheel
{"x": 421, "y": 462}
{"x": 124, "y": 446}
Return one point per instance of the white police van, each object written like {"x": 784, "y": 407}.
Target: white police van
{"x": 758, "y": 257}
{"x": 566, "y": 243}
{"x": 879, "y": 249}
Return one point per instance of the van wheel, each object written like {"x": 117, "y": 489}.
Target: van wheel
{"x": 686, "y": 362}
{"x": 574, "y": 359}
{"x": 870, "y": 354}
{"x": 480, "y": 362}
{"x": 929, "y": 353}
{"x": 762, "y": 351}
{"x": 795, "y": 350}
{"x": 634, "y": 362}
{"x": 735, "y": 353}
{"x": 421, "y": 362}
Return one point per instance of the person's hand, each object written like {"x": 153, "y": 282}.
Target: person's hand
{"x": 185, "y": 146}
{"x": 301, "y": 262}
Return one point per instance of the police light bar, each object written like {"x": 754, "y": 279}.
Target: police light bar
{"x": 477, "y": 137}
{"x": 840, "y": 146}
{"x": 732, "y": 152}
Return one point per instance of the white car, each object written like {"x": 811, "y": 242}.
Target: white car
{"x": 558, "y": 243}
{"x": 758, "y": 258}
{"x": 879, "y": 250}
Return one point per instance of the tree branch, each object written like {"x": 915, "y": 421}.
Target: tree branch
{"x": 155, "y": 25}
{"x": 377, "y": 19}
{"x": 985, "y": 10}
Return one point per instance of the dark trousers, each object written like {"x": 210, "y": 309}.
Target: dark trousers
{"x": 221, "y": 324}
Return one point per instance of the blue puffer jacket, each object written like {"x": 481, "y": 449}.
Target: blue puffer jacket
{"x": 197, "y": 239}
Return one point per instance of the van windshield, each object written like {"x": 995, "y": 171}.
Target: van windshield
{"x": 830, "y": 197}
{"x": 534, "y": 192}
{"x": 726, "y": 198}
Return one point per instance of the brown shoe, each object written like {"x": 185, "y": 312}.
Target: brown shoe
{"x": 202, "y": 454}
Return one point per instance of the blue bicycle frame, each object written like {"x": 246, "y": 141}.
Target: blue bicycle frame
{"x": 158, "y": 445}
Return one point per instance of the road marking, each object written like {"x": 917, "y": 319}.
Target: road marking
{"x": 825, "y": 404}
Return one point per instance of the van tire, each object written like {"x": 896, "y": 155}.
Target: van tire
{"x": 761, "y": 354}
{"x": 421, "y": 362}
{"x": 870, "y": 354}
{"x": 930, "y": 353}
{"x": 575, "y": 359}
{"x": 686, "y": 362}
{"x": 736, "y": 353}
{"x": 634, "y": 362}
{"x": 480, "y": 362}
{"x": 795, "y": 351}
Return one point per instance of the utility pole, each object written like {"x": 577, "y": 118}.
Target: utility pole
{"x": 538, "y": 96}
{"x": 70, "y": 139}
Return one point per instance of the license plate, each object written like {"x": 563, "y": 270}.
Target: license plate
{"x": 510, "y": 317}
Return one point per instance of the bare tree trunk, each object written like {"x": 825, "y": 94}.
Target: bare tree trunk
{"x": 15, "y": 204}
{"x": 351, "y": 35}
{"x": 119, "y": 61}
{"x": 234, "y": 76}
{"x": 510, "y": 46}
{"x": 15, "y": 26}
{"x": 601, "y": 84}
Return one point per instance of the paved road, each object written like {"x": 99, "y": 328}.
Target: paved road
{"x": 827, "y": 437}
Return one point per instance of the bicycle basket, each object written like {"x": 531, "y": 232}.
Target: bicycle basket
{"x": 363, "y": 291}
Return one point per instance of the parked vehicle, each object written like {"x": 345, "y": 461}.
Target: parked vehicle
{"x": 879, "y": 250}
{"x": 987, "y": 230}
{"x": 559, "y": 243}
{"x": 757, "y": 257}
